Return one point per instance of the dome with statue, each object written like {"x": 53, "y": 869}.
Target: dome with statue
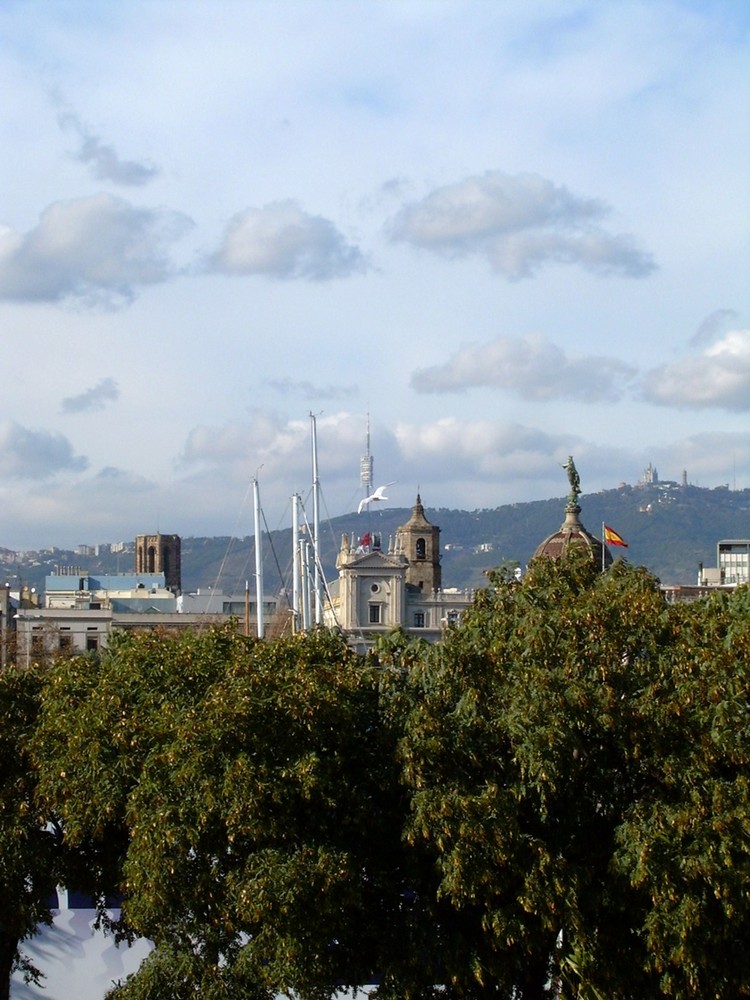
{"x": 572, "y": 534}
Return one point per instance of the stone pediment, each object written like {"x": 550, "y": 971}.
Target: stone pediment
{"x": 376, "y": 561}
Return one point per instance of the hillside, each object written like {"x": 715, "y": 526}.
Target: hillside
{"x": 670, "y": 530}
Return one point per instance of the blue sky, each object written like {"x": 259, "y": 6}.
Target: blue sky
{"x": 508, "y": 231}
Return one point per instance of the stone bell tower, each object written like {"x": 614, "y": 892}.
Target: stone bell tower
{"x": 419, "y": 541}
{"x": 160, "y": 554}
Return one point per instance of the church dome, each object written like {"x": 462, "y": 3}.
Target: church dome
{"x": 572, "y": 534}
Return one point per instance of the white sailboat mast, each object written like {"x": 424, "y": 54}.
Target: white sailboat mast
{"x": 258, "y": 560}
{"x": 316, "y": 523}
{"x": 304, "y": 555}
{"x": 296, "y": 557}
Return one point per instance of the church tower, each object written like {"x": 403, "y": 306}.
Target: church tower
{"x": 419, "y": 541}
{"x": 160, "y": 554}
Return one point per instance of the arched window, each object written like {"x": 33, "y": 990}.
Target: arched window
{"x": 421, "y": 548}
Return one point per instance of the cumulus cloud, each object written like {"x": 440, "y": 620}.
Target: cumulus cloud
{"x": 104, "y": 392}
{"x": 282, "y": 241}
{"x": 719, "y": 377}
{"x": 532, "y": 367}
{"x": 519, "y": 224}
{"x": 95, "y": 250}
{"x": 480, "y": 447}
{"x": 711, "y": 326}
{"x": 309, "y": 391}
{"x": 102, "y": 158}
{"x": 280, "y": 446}
{"x": 709, "y": 458}
{"x": 35, "y": 454}
{"x": 113, "y": 480}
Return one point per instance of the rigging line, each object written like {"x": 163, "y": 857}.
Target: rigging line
{"x": 244, "y": 574}
{"x": 230, "y": 545}
{"x": 275, "y": 557}
{"x": 328, "y": 521}
{"x": 316, "y": 557}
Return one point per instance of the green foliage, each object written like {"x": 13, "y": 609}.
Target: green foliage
{"x": 249, "y": 797}
{"x": 29, "y": 854}
{"x": 553, "y": 801}
{"x": 576, "y": 753}
{"x": 685, "y": 842}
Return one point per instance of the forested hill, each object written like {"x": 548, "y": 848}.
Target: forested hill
{"x": 669, "y": 529}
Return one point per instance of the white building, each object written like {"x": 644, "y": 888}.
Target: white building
{"x": 379, "y": 590}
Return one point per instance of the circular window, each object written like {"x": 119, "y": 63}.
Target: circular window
{"x": 375, "y": 588}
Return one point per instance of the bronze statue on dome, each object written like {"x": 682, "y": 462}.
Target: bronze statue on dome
{"x": 574, "y": 480}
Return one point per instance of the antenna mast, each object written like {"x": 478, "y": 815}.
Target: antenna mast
{"x": 366, "y": 465}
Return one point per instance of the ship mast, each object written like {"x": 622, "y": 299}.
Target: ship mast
{"x": 316, "y": 523}
{"x": 258, "y": 559}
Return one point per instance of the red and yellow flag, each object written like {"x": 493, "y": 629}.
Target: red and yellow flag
{"x": 612, "y": 538}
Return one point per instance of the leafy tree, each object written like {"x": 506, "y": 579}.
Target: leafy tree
{"x": 685, "y": 842}
{"x": 259, "y": 796}
{"x": 29, "y": 847}
{"x": 553, "y": 801}
{"x": 535, "y": 745}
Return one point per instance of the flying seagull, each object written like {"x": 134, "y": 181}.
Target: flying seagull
{"x": 379, "y": 494}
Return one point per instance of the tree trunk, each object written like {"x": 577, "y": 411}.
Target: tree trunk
{"x": 533, "y": 985}
{"x": 8, "y": 947}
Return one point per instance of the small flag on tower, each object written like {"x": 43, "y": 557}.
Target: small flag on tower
{"x": 612, "y": 538}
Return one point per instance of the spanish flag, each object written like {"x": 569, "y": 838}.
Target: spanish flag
{"x": 612, "y": 538}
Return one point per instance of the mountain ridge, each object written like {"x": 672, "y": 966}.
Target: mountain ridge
{"x": 671, "y": 529}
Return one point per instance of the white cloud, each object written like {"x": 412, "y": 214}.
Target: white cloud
{"x": 279, "y": 446}
{"x": 92, "y": 250}
{"x": 483, "y": 448}
{"x": 531, "y": 367}
{"x": 112, "y": 505}
{"x": 519, "y": 223}
{"x": 281, "y": 240}
{"x": 35, "y": 454}
{"x": 96, "y": 398}
{"x": 711, "y": 326}
{"x": 103, "y": 159}
{"x": 718, "y": 378}
{"x": 710, "y": 459}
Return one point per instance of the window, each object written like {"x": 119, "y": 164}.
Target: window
{"x": 374, "y": 614}
{"x": 37, "y": 641}
{"x": 419, "y": 619}
{"x": 421, "y": 548}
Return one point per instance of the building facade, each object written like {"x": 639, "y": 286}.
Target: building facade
{"x": 379, "y": 590}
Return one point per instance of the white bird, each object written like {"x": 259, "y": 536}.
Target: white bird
{"x": 379, "y": 494}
